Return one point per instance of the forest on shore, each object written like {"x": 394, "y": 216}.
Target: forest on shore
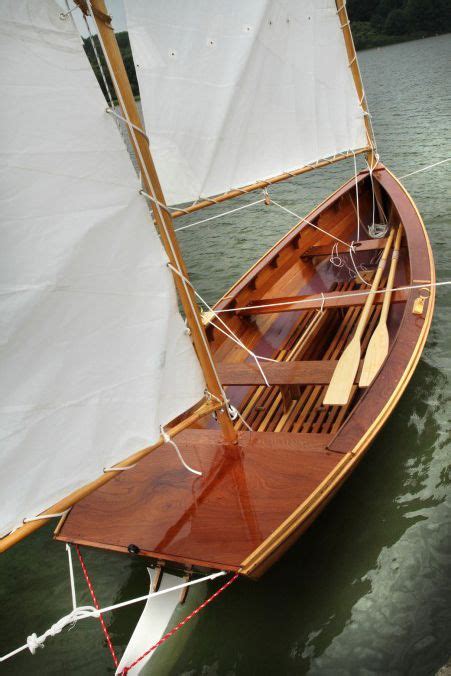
{"x": 374, "y": 23}
{"x": 384, "y": 22}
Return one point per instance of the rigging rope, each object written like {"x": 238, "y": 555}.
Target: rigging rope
{"x": 354, "y": 294}
{"x": 167, "y": 440}
{"x": 429, "y": 166}
{"x": 97, "y": 606}
{"x": 164, "y": 638}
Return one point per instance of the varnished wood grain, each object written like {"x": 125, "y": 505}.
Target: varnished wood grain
{"x": 217, "y": 519}
{"x": 282, "y": 373}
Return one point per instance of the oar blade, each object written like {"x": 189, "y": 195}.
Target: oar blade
{"x": 344, "y": 375}
{"x": 375, "y": 355}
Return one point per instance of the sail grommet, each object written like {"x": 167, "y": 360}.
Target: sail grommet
{"x": 133, "y": 549}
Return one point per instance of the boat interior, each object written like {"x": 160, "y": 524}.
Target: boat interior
{"x": 256, "y": 497}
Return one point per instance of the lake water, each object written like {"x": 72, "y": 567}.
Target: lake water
{"x": 367, "y": 590}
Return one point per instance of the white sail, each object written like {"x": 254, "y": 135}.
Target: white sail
{"x": 94, "y": 354}
{"x": 234, "y": 92}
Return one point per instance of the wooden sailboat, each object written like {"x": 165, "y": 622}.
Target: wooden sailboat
{"x": 272, "y": 346}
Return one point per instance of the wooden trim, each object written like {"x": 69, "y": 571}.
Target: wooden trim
{"x": 261, "y": 185}
{"x": 354, "y": 66}
{"x": 74, "y": 497}
{"x": 162, "y": 218}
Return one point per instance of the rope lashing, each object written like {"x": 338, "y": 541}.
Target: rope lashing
{"x": 167, "y": 440}
{"x": 180, "y": 624}
{"x": 165, "y": 207}
{"x": 111, "y": 111}
{"x": 34, "y": 641}
{"x": 233, "y": 411}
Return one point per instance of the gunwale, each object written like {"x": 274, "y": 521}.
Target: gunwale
{"x": 272, "y": 546}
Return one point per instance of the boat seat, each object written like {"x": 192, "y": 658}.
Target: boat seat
{"x": 363, "y": 245}
{"x": 331, "y": 299}
{"x": 280, "y": 373}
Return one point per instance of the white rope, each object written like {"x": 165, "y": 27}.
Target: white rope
{"x": 111, "y": 111}
{"x": 224, "y": 213}
{"x": 71, "y": 576}
{"x": 318, "y": 299}
{"x": 163, "y": 206}
{"x": 229, "y": 333}
{"x": 305, "y": 220}
{"x": 167, "y": 440}
{"x": 118, "y": 469}
{"x": 143, "y": 165}
{"x": 99, "y": 63}
{"x": 28, "y": 519}
{"x": 84, "y": 612}
{"x": 357, "y": 198}
{"x": 425, "y": 168}
{"x": 234, "y": 414}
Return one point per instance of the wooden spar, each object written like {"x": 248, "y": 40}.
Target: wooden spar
{"x": 261, "y": 185}
{"x": 162, "y": 218}
{"x": 340, "y": 386}
{"x": 74, "y": 497}
{"x": 378, "y": 346}
{"x": 354, "y": 66}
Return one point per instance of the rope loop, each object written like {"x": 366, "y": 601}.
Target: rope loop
{"x": 167, "y": 440}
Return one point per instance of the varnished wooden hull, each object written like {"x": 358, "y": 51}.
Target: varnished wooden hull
{"x": 256, "y": 498}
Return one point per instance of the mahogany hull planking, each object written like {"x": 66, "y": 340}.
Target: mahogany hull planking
{"x": 255, "y": 498}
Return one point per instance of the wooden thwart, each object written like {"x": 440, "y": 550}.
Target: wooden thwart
{"x": 364, "y": 245}
{"x": 332, "y": 299}
{"x": 280, "y": 373}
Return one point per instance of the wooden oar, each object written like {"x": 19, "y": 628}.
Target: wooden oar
{"x": 344, "y": 375}
{"x": 378, "y": 346}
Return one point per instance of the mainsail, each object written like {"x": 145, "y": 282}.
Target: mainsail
{"x": 235, "y": 92}
{"x": 95, "y": 355}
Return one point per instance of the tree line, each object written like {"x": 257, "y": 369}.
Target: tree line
{"x": 382, "y": 22}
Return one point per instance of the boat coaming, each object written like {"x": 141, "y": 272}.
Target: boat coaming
{"x": 256, "y": 499}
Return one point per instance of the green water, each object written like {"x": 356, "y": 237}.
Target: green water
{"x": 367, "y": 589}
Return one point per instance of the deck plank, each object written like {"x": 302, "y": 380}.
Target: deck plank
{"x": 215, "y": 520}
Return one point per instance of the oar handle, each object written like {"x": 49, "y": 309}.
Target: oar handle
{"x": 375, "y": 285}
{"x": 391, "y": 275}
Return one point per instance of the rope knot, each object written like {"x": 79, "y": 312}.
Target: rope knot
{"x": 33, "y": 641}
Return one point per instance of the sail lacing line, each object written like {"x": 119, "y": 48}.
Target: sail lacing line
{"x": 111, "y": 111}
{"x": 167, "y": 440}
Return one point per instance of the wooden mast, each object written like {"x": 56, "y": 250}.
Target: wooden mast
{"x": 354, "y": 66}
{"x": 162, "y": 217}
